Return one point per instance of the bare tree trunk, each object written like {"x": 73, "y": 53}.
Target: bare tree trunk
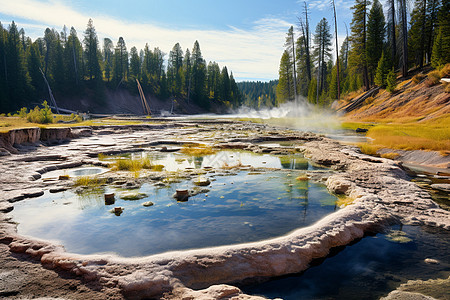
{"x": 337, "y": 53}
{"x": 294, "y": 71}
{"x": 308, "y": 58}
{"x": 394, "y": 40}
{"x": 404, "y": 31}
{"x": 422, "y": 36}
{"x": 365, "y": 71}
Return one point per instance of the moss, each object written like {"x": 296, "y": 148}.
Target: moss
{"x": 398, "y": 236}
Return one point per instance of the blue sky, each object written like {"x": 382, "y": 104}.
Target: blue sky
{"x": 245, "y": 35}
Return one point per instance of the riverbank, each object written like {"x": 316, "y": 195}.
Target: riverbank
{"x": 380, "y": 193}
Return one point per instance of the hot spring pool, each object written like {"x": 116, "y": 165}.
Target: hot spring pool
{"x": 249, "y": 206}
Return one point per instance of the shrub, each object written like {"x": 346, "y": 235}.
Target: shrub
{"x": 445, "y": 71}
{"x": 41, "y": 116}
{"x": 23, "y": 112}
{"x": 433, "y": 78}
{"x": 418, "y": 78}
{"x": 391, "y": 81}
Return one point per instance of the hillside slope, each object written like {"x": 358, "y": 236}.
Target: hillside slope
{"x": 410, "y": 103}
{"x": 411, "y": 125}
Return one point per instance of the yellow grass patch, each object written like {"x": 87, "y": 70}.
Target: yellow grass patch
{"x": 197, "y": 149}
{"x": 132, "y": 165}
{"x": 390, "y": 155}
{"x": 89, "y": 181}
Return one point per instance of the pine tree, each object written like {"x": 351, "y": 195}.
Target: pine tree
{"x": 302, "y": 67}
{"x": 322, "y": 53}
{"x": 225, "y": 87}
{"x": 358, "y": 39}
{"x": 135, "y": 63}
{"x": 108, "y": 57}
{"x": 120, "y": 61}
{"x": 187, "y": 72}
{"x": 18, "y": 81}
{"x": 382, "y": 71}
{"x": 285, "y": 90}
{"x": 375, "y": 38}
{"x": 91, "y": 52}
{"x": 441, "y": 48}
{"x": 34, "y": 67}
{"x": 174, "y": 69}
{"x": 5, "y": 103}
{"x": 213, "y": 83}
{"x": 391, "y": 81}
{"x": 198, "y": 85}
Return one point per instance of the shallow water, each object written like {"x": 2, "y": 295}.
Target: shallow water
{"x": 246, "y": 207}
{"x": 226, "y": 158}
{"x": 368, "y": 269}
{"x": 75, "y": 172}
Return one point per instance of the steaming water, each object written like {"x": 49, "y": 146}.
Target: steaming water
{"x": 301, "y": 116}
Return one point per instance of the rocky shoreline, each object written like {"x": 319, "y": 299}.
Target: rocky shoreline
{"x": 381, "y": 192}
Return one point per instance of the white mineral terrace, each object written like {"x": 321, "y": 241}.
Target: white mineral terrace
{"x": 382, "y": 197}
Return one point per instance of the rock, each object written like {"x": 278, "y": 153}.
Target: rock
{"x": 33, "y": 194}
{"x": 5, "y": 207}
{"x": 361, "y": 130}
{"x": 148, "y": 203}
{"x": 444, "y": 187}
{"x": 337, "y": 186}
{"x": 58, "y": 190}
{"x": 132, "y": 196}
{"x": 200, "y": 181}
{"x": 401, "y": 295}
{"x": 431, "y": 261}
{"x": 63, "y": 177}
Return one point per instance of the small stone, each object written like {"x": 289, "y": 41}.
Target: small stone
{"x": 132, "y": 196}
{"x": 431, "y": 261}
{"x": 148, "y": 203}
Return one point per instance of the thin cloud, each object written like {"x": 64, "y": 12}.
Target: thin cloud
{"x": 260, "y": 47}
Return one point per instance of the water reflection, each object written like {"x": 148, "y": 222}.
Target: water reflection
{"x": 178, "y": 161}
{"x": 235, "y": 209}
{"x": 369, "y": 269}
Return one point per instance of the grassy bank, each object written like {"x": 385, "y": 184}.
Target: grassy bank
{"x": 9, "y": 123}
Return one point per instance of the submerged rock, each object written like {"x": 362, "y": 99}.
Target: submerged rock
{"x": 201, "y": 181}
{"x": 132, "y": 196}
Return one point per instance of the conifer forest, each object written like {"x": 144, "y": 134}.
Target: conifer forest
{"x": 382, "y": 40}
